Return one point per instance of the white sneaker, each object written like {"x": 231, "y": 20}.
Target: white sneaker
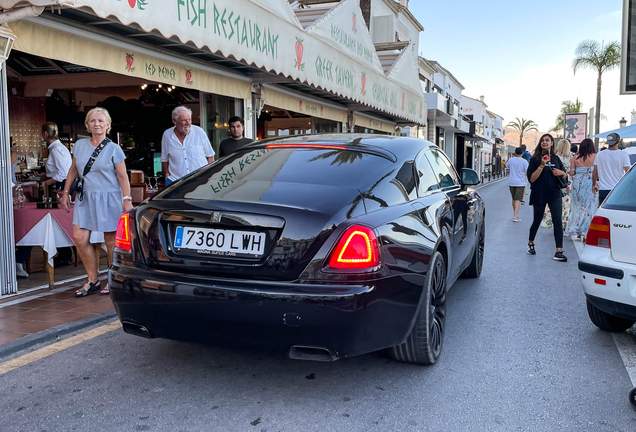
{"x": 516, "y": 219}
{"x": 19, "y": 271}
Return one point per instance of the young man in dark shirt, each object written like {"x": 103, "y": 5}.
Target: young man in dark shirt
{"x": 230, "y": 145}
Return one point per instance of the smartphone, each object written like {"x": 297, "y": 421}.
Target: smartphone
{"x": 545, "y": 152}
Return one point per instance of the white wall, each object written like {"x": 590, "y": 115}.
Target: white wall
{"x": 475, "y": 108}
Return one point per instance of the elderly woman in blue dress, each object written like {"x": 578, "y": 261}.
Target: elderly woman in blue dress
{"x": 106, "y": 195}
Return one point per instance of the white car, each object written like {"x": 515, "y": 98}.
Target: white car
{"x": 608, "y": 262}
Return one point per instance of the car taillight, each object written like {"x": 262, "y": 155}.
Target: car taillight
{"x": 315, "y": 146}
{"x": 122, "y": 236}
{"x": 598, "y": 234}
{"x": 357, "y": 249}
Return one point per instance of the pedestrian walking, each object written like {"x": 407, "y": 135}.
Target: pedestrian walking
{"x": 517, "y": 168}
{"x": 184, "y": 147}
{"x": 104, "y": 197}
{"x": 563, "y": 152}
{"x": 609, "y": 167}
{"x": 583, "y": 197}
{"x": 543, "y": 169}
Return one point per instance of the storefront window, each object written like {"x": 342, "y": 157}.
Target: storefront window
{"x": 219, "y": 109}
{"x": 360, "y": 129}
{"x": 326, "y": 126}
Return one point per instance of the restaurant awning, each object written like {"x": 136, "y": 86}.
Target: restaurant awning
{"x": 626, "y": 132}
{"x": 373, "y": 123}
{"x": 333, "y": 55}
{"x": 298, "y": 103}
{"x": 53, "y": 40}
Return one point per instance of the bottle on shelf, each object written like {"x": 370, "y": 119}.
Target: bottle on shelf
{"x": 19, "y": 196}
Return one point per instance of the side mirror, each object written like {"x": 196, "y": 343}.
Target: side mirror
{"x": 469, "y": 177}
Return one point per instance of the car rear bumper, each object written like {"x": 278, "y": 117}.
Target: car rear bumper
{"x": 608, "y": 284}
{"x": 346, "y": 320}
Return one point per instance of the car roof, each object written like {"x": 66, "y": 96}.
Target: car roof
{"x": 391, "y": 147}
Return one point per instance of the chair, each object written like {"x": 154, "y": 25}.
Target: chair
{"x": 138, "y": 193}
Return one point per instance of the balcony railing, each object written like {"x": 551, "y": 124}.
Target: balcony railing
{"x": 451, "y": 108}
{"x": 435, "y": 101}
{"x": 477, "y": 129}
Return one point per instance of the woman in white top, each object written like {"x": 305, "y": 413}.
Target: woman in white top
{"x": 59, "y": 161}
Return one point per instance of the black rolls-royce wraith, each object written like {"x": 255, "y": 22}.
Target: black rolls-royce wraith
{"x": 322, "y": 246}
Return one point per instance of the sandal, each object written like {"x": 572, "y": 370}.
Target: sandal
{"x": 93, "y": 287}
{"x": 105, "y": 291}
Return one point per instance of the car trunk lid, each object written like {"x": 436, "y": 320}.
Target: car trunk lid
{"x": 244, "y": 239}
{"x": 623, "y": 236}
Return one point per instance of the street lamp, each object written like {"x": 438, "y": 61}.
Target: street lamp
{"x": 6, "y": 42}
{"x": 622, "y": 122}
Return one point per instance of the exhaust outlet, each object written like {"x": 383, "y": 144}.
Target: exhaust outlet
{"x": 136, "y": 329}
{"x": 321, "y": 354}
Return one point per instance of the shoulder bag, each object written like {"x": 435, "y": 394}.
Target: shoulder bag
{"x": 78, "y": 183}
{"x": 562, "y": 182}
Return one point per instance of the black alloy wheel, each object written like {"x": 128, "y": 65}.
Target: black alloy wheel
{"x": 424, "y": 344}
{"x": 474, "y": 268}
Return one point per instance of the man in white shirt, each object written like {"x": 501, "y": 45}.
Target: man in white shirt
{"x": 609, "y": 166}
{"x": 518, "y": 168}
{"x": 59, "y": 160}
{"x": 185, "y": 147}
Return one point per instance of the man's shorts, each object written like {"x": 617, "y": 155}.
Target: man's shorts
{"x": 516, "y": 192}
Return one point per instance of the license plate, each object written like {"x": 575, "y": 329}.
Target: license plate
{"x": 223, "y": 242}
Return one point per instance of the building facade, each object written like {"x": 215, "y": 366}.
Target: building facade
{"x": 285, "y": 69}
{"x": 446, "y": 126}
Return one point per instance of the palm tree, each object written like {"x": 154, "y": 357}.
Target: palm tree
{"x": 522, "y": 126}
{"x": 599, "y": 57}
{"x": 567, "y": 107}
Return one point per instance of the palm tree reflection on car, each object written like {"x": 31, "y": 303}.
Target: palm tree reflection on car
{"x": 358, "y": 198}
{"x": 341, "y": 156}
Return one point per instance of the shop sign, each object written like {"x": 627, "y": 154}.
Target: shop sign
{"x": 336, "y": 53}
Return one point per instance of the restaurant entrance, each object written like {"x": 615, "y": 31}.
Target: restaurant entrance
{"x": 277, "y": 122}
{"x": 43, "y": 89}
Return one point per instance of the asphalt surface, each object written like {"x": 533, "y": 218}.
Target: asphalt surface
{"x": 520, "y": 354}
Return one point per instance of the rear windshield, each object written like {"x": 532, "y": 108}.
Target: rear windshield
{"x": 261, "y": 168}
{"x": 623, "y": 197}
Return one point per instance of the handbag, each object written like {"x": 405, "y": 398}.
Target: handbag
{"x": 562, "y": 182}
{"x": 78, "y": 183}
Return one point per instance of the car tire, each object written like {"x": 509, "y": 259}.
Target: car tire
{"x": 474, "y": 268}
{"x": 424, "y": 344}
{"x": 632, "y": 398}
{"x": 607, "y": 322}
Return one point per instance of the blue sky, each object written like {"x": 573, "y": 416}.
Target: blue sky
{"x": 518, "y": 54}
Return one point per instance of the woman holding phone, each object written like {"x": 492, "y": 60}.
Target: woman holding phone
{"x": 544, "y": 166}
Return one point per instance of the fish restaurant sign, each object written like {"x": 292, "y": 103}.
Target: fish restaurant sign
{"x": 337, "y": 54}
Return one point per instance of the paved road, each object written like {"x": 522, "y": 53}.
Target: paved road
{"x": 520, "y": 354}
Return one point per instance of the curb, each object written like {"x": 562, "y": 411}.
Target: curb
{"x": 52, "y": 334}
{"x": 481, "y": 185}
